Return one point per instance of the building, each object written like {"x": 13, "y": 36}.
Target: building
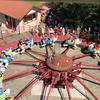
{"x": 19, "y": 16}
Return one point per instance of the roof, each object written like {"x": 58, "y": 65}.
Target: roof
{"x": 16, "y": 9}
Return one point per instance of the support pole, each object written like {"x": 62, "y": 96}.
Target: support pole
{"x": 19, "y": 75}
{"x": 35, "y": 56}
{"x": 89, "y": 81}
{"x": 68, "y": 90}
{"x": 54, "y": 81}
{"x": 22, "y": 74}
{"x": 80, "y": 56}
{"x": 25, "y": 62}
{"x": 53, "y": 52}
{"x": 81, "y": 82}
{"x": 43, "y": 92}
{"x": 65, "y": 51}
{"x": 91, "y": 66}
{"x": 47, "y": 53}
{"x": 61, "y": 94}
{"x": 29, "y": 86}
{"x": 35, "y": 52}
{"x": 90, "y": 75}
{"x": 81, "y": 92}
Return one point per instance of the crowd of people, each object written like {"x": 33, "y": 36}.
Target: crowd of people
{"x": 5, "y": 59}
{"x": 59, "y": 30}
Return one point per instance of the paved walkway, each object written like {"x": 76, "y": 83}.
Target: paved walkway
{"x": 11, "y": 41}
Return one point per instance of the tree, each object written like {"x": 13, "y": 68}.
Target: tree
{"x": 85, "y": 15}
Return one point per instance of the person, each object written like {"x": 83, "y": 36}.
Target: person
{"x": 36, "y": 30}
{"x": 56, "y": 30}
{"x": 1, "y": 59}
{"x": 97, "y": 53}
{"x": 6, "y": 61}
{"x": 51, "y": 41}
{"x": 51, "y": 31}
{"x": 43, "y": 40}
{"x": 68, "y": 42}
{"x": 20, "y": 48}
{"x": 85, "y": 31}
{"x": 42, "y": 30}
{"x": 28, "y": 42}
{"x": 91, "y": 48}
{"x": 76, "y": 41}
{"x": 2, "y": 70}
{"x": 8, "y": 52}
{"x": 89, "y": 30}
{"x": 4, "y": 64}
{"x": 47, "y": 41}
{"x": 1, "y": 81}
{"x": 78, "y": 31}
{"x": 4, "y": 94}
{"x": 63, "y": 31}
{"x": 97, "y": 50}
{"x": 54, "y": 39}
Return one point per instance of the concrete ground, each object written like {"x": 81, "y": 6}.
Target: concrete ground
{"x": 34, "y": 94}
{"x": 13, "y": 37}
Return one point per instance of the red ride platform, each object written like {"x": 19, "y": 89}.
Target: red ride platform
{"x": 36, "y": 38}
{"x": 60, "y": 62}
{"x": 11, "y": 45}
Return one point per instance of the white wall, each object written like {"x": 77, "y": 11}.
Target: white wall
{"x": 2, "y": 20}
{"x": 27, "y": 26}
{"x": 23, "y": 26}
{"x": 38, "y": 17}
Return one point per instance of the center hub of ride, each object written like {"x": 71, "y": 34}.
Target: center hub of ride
{"x": 60, "y": 62}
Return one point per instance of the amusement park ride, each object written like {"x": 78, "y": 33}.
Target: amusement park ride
{"x": 56, "y": 71}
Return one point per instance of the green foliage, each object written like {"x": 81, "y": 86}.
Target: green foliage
{"x": 78, "y": 14}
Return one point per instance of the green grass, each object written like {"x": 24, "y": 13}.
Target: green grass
{"x": 36, "y": 3}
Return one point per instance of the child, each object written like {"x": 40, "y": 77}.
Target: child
{"x": 91, "y": 48}
{"x": 28, "y": 42}
{"x": 4, "y": 94}
{"x": 76, "y": 41}
{"x": 1, "y": 81}
{"x": 4, "y": 64}
{"x": 44, "y": 41}
{"x": 68, "y": 42}
{"x": 97, "y": 53}
{"x": 7, "y": 52}
{"x": 20, "y": 48}
{"x": 97, "y": 50}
